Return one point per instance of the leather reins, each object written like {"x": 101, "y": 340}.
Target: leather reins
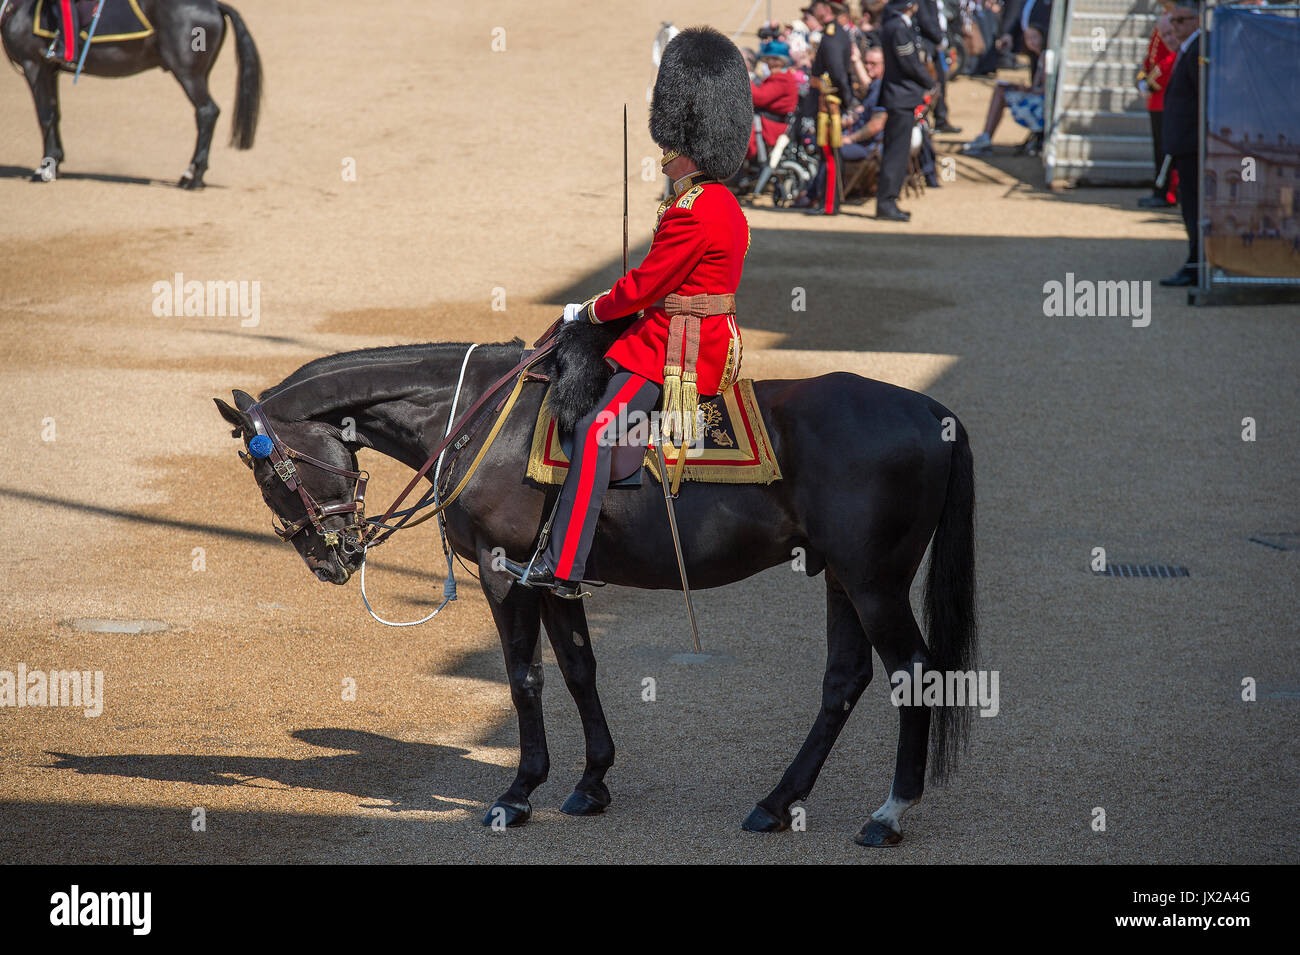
{"x": 372, "y": 532}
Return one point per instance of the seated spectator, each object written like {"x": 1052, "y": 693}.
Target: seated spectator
{"x": 776, "y": 96}
{"x": 1024, "y": 102}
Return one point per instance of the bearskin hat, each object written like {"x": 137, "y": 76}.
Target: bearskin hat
{"x": 703, "y": 106}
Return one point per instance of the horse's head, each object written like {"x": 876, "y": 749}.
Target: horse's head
{"x": 308, "y": 475}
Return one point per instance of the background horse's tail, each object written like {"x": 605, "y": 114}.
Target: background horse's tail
{"x": 248, "y": 92}
{"x": 950, "y": 622}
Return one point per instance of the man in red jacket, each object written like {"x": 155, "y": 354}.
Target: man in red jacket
{"x": 1153, "y": 79}
{"x": 684, "y": 341}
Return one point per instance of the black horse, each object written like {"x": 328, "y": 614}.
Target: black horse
{"x": 187, "y": 37}
{"x": 871, "y": 473}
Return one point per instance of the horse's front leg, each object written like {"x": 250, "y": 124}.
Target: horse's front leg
{"x": 516, "y": 612}
{"x": 44, "y": 81}
{"x": 566, "y": 626}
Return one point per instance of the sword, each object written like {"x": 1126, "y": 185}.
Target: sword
{"x": 677, "y": 541}
{"x": 663, "y": 466}
{"x": 90, "y": 35}
{"x": 625, "y": 188}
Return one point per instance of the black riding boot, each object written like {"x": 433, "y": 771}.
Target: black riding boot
{"x": 538, "y": 574}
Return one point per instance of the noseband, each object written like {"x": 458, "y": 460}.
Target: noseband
{"x": 282, "y": 458}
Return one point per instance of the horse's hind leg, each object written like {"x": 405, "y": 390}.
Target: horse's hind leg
{"x": 191, "y": 68}
{"x": 566, "y": 626}
{"x": 519, "y": 622}
{"x": 848, "y": 671}
{"x": 891, "y": 625}
{"x": 205, "y": 115}
{"x": 44, "y": 81}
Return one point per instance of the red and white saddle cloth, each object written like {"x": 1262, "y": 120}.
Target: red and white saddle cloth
{"x": 736, "y": 446}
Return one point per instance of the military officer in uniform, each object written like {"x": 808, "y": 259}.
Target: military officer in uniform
{"x": 832, "y": 71}
{"x": 684, "y": 342}
{"x": 907, "y": 83}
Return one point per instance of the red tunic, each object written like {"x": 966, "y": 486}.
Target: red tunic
{"x": 698, "y": 248}
{"x": 1157, "y": 66}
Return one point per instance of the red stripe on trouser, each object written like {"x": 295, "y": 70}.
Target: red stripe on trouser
{"x": 69, "y": 30}
{"x": 587, "y": 476}
{"x": 832, "y": 180}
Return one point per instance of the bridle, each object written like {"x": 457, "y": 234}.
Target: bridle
{"x": 360, "y": 534}
{"x": 282, "y": 458}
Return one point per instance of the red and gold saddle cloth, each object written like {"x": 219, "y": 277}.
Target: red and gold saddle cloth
{"x": 736, "y": 446}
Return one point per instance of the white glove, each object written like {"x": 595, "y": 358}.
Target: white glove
{"x": 573, "y": 313}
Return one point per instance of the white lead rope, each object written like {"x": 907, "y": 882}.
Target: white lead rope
{"x": 449, "y": 586}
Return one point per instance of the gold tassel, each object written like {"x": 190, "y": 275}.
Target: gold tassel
{"x": 836, "y": 134}
{"x": 690, "y": 403}
{"x": 821, "y": 129}
{"x": 672, "y": 404}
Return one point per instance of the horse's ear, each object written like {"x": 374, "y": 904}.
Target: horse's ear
{"x": 243, "y": 400}
{"x": 242, "y": 422}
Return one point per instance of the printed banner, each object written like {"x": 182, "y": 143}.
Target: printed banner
{"x": 1252, "y": 154}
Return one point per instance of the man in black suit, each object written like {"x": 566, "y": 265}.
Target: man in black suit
{"x": 905, "y": 87}
{"x": 1181, "y": 133}
{"x": 930, "y": 25}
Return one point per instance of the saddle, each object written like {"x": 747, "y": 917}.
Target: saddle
{"x": 735, "y": 448}
{"x": 120, "y": 20}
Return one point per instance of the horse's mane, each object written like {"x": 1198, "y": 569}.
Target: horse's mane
{"x": 384, "y": 355}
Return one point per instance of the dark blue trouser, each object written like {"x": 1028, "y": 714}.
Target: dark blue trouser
{"x": 589, "y": 469}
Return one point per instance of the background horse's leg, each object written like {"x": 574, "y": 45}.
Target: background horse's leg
{"x": 191, "y": 68}
{"x": 848, "y": 671}
{"x": 44, "y": 81}
{"x": 205, "y": 115}
{"x": 566, "y": 626}
{"x": 892, "y": 628}
{"x": 518, "y": 620}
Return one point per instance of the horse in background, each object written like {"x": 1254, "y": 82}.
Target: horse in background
{"x": 185, "y": 41}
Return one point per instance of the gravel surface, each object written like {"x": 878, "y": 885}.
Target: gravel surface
{"x": 477, "y": 171}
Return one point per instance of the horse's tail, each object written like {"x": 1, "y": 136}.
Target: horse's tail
{"x": 248, "y": 92}
{"x": 950, "y": 617}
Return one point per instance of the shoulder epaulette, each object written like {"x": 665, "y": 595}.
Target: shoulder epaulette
{"x": 689, "y": 196}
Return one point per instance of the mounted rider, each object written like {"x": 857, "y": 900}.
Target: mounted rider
{"x": 684, "y": 341}
{"x": 63, "y": 50}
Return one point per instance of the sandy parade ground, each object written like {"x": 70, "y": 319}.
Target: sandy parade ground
{"x": 484, "y": 175}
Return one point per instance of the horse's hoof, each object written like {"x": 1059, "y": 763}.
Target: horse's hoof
{"x": 877, "y": 834}
{"x": 584, "y": 804}
{"x": 503, "y": 815}
{"x": 760, "y": 820}
{"x": 47, "y": 171}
